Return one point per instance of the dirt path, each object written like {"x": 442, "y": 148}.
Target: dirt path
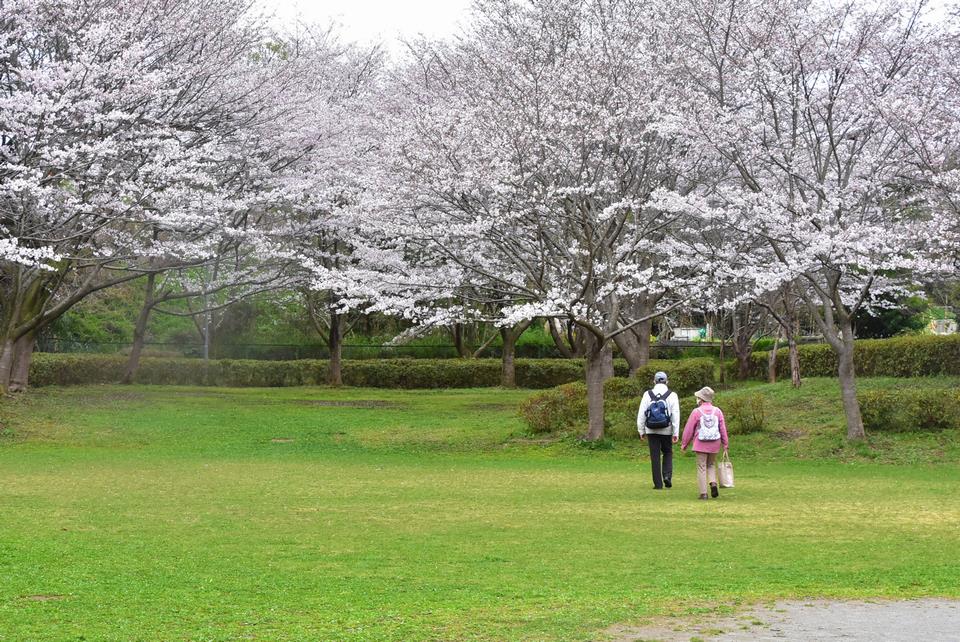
{"x": 932, "y": 620}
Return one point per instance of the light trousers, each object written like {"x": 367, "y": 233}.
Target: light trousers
{"x": 706, "y": 471}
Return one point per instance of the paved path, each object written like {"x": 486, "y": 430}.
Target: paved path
{"x": 927, "y": 620}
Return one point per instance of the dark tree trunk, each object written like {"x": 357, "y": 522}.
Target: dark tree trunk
{"x": 6, "y": 365}
{"x": 643, "y": 341}
{"x": 742, "y": 341}
{"x": 848, "y": 383}
{"x": 578, "y": 342}
{"x": 794, "y": 361}
{"x": 140, "y": 332}
{"x": 743, "y": 365}
{"x": 599, "y": 363}
{"x": 630, "y": 347}
{"x": 558, "y": 340}
{"x": 16, "y": 352}
{"x": 508, "y": 370}
{"x": 462, "y": 350}
{"x": 772, "y": 360}
{"x": 335, "y": 342}
{"x": 723, "y": 345}
{"x": 20, "y": 368}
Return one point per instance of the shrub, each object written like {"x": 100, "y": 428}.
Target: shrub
{"x": 68, "y": 369}
{"x": 555, "y": 409}
{"x": 565, "y": 406}
{"x": 745, "y": 414}
{"x": 921, "y": 410}
{"x": 909, "y": 356}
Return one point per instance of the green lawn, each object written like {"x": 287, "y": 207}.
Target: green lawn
{"x": 159, "y": 513}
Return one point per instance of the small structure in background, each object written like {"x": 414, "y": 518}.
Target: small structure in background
{"x": 691, "y": 333}
{"x": 942, "y": 327}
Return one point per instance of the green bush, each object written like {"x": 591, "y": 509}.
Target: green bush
{"x": 921, "y": 410}
{"x": 745, "y": 414}
{"x": 909, "y": 356}
{"x": 565, "y": 406}
{"x": 68, "y": 369}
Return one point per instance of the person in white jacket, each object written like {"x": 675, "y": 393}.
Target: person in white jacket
{"x": 658, "y": 421}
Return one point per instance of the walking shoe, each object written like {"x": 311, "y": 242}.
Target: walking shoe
{"x": 714, "y": 491}
{"x": 658, "y": 488}
{"x": 704, "y": 496}
{"x": 668, "y": 483}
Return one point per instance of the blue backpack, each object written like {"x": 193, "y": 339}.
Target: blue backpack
{"x": 657, "y": 414}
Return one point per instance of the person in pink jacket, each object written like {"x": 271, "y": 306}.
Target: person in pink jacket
{"x": 708, "y": 432}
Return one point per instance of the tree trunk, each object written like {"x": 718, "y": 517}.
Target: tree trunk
{"x": 20, "y": 368}
{"x": 630, "y": 347}
{"x": 462, "y": 350}
{"x": 742, "y": 342}
{"x": 794, "y": 361}
{"x": 6, "y": 365}
{"x": 558, "y": 340}
{"x": 723, "y": 343}
{"x": 848, "y": 384}
{"x": 643, "y": 330}
{"x": 743, "y": 365}
{"x": 335, "y": 373}
{"x": 772, "y": 360}
{"x": 140, "y": 332}
{"x": 598, "y": 365}
{"x": 578, "y": 342}
{"x": 508, "y": 371}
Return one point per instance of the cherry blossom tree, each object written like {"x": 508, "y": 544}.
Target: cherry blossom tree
{"x": 815, "y": 108}
{"x": 136, "y": 137}
{"x": 521, "y": 162}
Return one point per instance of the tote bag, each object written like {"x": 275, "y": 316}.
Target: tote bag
{"x": 725, "y": 471}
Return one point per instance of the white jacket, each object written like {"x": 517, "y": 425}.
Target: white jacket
{"x": 673, "y": 407}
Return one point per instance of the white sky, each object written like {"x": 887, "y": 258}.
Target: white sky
{"x": 367, "y": 21}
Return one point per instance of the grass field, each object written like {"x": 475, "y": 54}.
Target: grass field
{"x": 136, "y": 513}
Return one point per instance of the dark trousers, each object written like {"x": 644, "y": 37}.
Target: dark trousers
{"x": 661, "y": 445}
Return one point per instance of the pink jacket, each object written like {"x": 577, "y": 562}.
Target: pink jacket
{"x": 690, "y": 432}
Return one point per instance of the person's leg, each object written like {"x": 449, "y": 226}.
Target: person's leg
{"x": 667, "y": 448}
{"x": 712, "y": 474}
{"x": 654, "y": 441}
{"x": 702, "y": 473}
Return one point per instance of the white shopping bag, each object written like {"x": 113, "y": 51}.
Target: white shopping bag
{"x": 725, "y": 471}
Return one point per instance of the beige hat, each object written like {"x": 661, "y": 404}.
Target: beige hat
{"x": 706, "y": 394}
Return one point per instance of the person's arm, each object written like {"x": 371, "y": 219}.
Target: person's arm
{"x": 723, "y": 430}
{"x": 674, "y": 402}
{"x": 642, "y": 415}
{"x": 688, "y": 429}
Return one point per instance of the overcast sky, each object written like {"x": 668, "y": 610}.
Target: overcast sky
{"x": 385, "y": 21}
{"x": 376, "y": 20}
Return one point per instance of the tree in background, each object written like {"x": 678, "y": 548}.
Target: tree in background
{"x": 121, "y": 122}
{"x": 521, "y": 164}
{"x": 816, "y": 110}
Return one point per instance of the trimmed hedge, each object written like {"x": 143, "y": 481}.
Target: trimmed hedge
{"x": 70, "y": 369}
{"x": 566, "y": 406}
{"x": 911, "y": 356}
{"x": 920, "y": 410}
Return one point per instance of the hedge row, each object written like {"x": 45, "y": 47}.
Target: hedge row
{"x": 69, "y": 369}
{"x": 913, "y": 356}
{"x": 918, "y": 410}
{"x": 565, "y": 407}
